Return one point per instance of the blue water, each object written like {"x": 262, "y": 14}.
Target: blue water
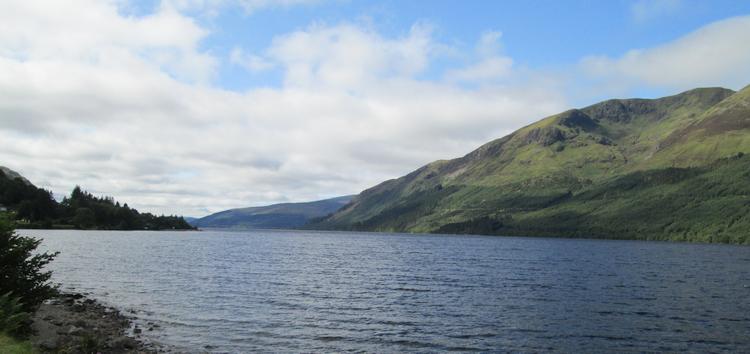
{"x": 289, "y": 291}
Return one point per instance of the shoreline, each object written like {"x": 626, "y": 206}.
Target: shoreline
{"x": 73, "y": 323}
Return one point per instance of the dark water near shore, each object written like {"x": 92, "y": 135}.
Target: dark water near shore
{"x": 329, "y": 292}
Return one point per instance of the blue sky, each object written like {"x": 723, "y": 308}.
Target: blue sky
{"x": 538, "y": 34}
{"x": 196, "y": 106}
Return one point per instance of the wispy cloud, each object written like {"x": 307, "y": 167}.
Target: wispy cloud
{"x": 251, "y": 62}
{"x": 213, "y": 7}
{"x": 491, "y": 64}
{"x": 646, "y": 10}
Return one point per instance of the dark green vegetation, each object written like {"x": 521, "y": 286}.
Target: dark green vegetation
{"x": 87, "y": 211}
{"x": 277, "y": 216}
{"x": 24, "y": 284}
{"x": 36, "y": 208}
{"x": 12, "y": 315}
{"x": 22, "y": 268}
{"x": 663, "y": 169}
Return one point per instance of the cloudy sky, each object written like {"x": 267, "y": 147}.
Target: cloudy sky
{"x": 195, "y": 106}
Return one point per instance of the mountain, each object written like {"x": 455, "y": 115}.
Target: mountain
{"x": 277, "y": 216}
{"x": 190, "y": 220}
{"x": 671, "y": 168}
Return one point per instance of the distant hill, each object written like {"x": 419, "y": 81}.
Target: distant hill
{"x": 671, "y": 168}
{"x": 28, "y": 202}
{"x": 277, "y": 216}
{"x": 10, "y": 174}
{"x": 36, "y": 208}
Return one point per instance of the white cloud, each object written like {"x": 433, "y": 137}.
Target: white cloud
{"x": 94, "y": 33}
{"x": 489, "y": 44}
{"x": 487, "y": 70}
{"x": 492, "y": 65}
{"x": 253, "y": 5}
{"x": 645, "y": 10}
{"x": 350, "y": 56}
{"x": 121, "y": 106}
{"x": 252, "y": 63}
{"x": 714, "y": 55}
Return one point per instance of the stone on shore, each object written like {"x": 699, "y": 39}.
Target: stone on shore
{"x": 72, "y": 323}
{"x": 125, "y": 343}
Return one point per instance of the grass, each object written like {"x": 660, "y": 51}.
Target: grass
{"x": 702, "y": 204}
{"x": 9, "y": 345}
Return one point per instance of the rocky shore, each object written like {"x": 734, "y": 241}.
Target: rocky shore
{"x": 72, "y": 323}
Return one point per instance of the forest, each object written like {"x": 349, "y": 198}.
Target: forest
{"x": 35, "y": 207}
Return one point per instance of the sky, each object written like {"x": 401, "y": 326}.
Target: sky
{"x": 191, "y": 107}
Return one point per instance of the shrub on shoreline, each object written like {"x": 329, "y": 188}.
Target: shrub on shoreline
{"x": 24, "y": 283}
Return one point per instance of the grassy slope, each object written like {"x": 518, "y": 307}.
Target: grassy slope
{"x": 701, "y": 204}
{"x": 560, "y": 158}
{"x": 9, "y": 345}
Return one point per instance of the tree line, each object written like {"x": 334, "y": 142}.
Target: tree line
{"x": 37, "y": 208}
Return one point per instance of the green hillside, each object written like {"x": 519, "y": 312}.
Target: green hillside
{"x": 616, "y": 169}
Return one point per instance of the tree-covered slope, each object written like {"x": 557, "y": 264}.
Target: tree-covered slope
{"x": 13, "y": 175}
{"x": 36, "y": 208}
{"x": 277, "y": 216}
{"x": 530, "y": 174}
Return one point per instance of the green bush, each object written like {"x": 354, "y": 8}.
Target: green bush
{"x": 22, "y": 268}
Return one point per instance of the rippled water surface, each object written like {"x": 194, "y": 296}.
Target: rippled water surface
{"x": 290, "y": 291}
